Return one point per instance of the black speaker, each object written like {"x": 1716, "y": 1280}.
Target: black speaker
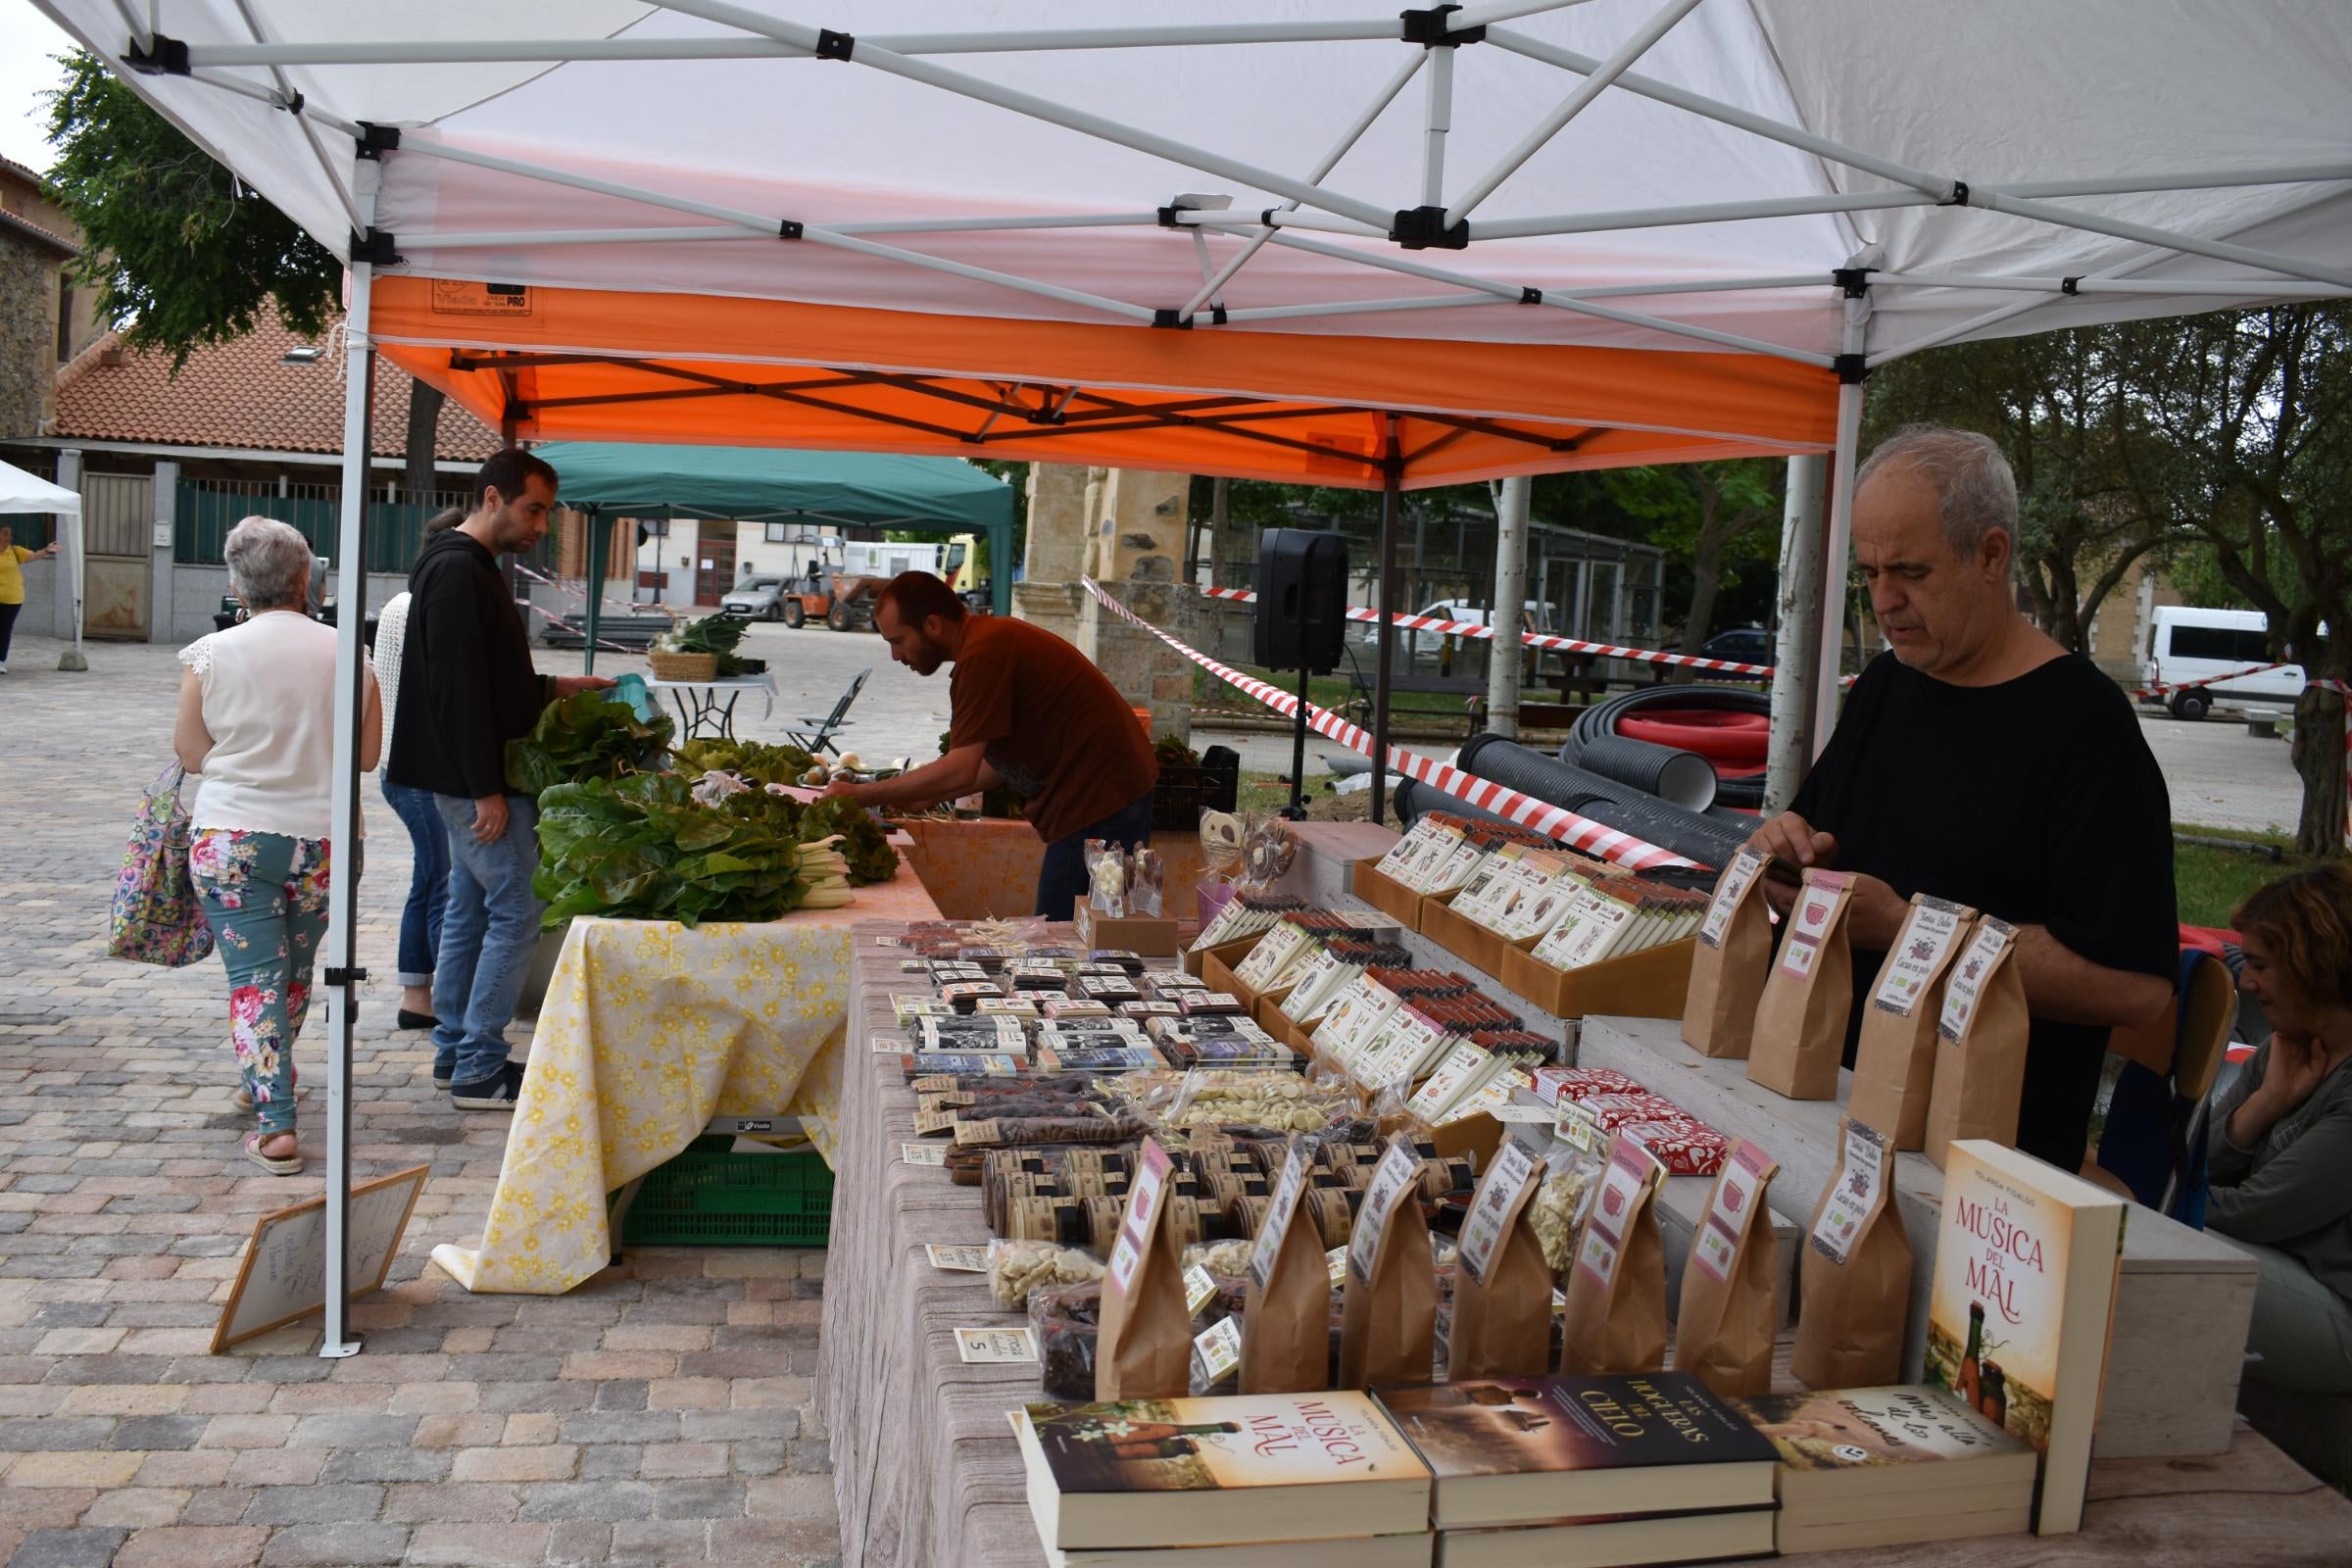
{"x": 1302, "y": 600}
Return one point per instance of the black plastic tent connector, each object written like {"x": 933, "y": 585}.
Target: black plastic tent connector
{"x": 163, "y": 56}
{"x": 1531, "y": 296}
{"x": 1855, "y": 280}
{"x": 831, "y": 45}
{"x": 1169, "y": 316}
{"x": 1852, "y": 369}
{"x": 790, "y": 228}
{"x": 1959, "y": 195}
{"x": 374, "y": 247}
{"x": 2071, "y": 285}
{"x": 1428, "y": 29}
{"x": 293, "y": 105}
{"x": 378, "y": 140}
{"x": 1420, "y": 229}
{"x": 1216, "y": 314}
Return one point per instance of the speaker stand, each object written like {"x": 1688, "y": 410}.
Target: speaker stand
{"x": 1296, "y": 809}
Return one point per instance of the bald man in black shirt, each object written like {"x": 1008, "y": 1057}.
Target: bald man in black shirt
{"x": 1978, "y": 760}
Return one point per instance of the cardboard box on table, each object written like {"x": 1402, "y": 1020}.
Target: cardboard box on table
{"x": 1654, "y": 983}
{"x": 1389, "y": 896}
{"x": 1228, "y": 956}
{"x": 1464, "y": 937}
{"x": 1153, "y": 935}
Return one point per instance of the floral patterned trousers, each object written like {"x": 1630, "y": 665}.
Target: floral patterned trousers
{"x": 266, "y": 897}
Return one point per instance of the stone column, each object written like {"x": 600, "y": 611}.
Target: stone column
{"x": 1055, "y": 556}
{"x": 1137, "y": 554}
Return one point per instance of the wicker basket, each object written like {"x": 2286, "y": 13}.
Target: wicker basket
{"x": 683, "y": 666}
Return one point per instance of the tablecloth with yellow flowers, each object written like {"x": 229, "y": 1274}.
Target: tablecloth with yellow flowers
{"x": 649, "y": 1030}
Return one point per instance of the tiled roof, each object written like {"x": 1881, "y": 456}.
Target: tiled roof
{"x": 12, "y": 224}
{"x": 243, "y": 394}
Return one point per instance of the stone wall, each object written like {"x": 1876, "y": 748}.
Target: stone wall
{"x": 28, "y": 336}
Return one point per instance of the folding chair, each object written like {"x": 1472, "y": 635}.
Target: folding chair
{"x": 816, "y": 735}
{"x": 2153, "y": 1144}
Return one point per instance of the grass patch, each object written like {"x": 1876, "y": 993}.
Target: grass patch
{"x": 2210, "y": 883}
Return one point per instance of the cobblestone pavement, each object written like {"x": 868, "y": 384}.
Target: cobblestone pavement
{"x": 660, "y": 1413}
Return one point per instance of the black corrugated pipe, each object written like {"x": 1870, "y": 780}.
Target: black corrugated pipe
{"x": 1598, "y": 723}
{"x": 1679, "y": 777}
{"x": 1618, "y": 806}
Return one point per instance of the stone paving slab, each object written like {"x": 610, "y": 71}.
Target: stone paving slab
{"x": 660, "y": 1413}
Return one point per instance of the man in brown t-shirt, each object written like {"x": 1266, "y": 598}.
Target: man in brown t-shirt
{"x": 1030, "y": 713}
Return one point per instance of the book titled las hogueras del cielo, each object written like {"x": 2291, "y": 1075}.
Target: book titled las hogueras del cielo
{"x": 2025, "y": 1263}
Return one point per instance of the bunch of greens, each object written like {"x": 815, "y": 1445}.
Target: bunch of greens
{"x": 1169, "y": 751}
{"x": 712, "y": 634}
{"x": 752, "y": 762}
{"x": 641, "y": 848}
{"x": 584, "y": 736}
{"x": 861, "y": 843}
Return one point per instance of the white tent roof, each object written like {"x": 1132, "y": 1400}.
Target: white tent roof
{"x": 2235, "y": 119}
{"x": 25, "y": 492}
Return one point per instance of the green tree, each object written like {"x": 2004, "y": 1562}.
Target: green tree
{"x": 182, "y": 253}
{"x": 1706, "y": 516}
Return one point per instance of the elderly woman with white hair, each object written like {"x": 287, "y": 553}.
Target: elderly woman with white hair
{"x": 257, "y": 719}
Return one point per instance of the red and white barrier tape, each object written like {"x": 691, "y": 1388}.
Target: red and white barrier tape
{"x": 1532, "y": 639}
{"x": 576, "y": 596}
{"x": 1578, "y": 832}
{"x": 2160, "y": 687}
{"x": 556, "y": 619}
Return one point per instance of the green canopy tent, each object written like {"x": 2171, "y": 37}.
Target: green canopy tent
{"x": 767, "y": 484}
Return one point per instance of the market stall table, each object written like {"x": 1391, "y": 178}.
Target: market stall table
{"x": 985, "y": 868}
{"x": 649, "y": 1030}
{"x": 707, "y": 708}
{"x": 926, "y": 1470}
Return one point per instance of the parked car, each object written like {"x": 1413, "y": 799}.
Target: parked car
{"x": 754, "y": 599}
{"x": 1747, "y": 645}
{"x": 1418, "y": 642}
{"x": 2186, "y": 644}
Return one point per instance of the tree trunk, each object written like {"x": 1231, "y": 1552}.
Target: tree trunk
{"x": 1707, "y": 572}
{"x": 425, "y": 428}
{"x": 2319, "y": 757}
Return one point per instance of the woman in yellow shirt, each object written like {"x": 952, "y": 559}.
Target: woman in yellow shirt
{"x": 13, "y": 557}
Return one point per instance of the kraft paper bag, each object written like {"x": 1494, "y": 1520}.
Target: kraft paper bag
{"x": 1616, "y": 1317}
{"x": 1389, "y": 1320}
{"x": 1501, "y": 1286}
{"x": 1894, "y": 1061}
{"x": 1143, "y": 1350}
{"x": 1982, "y": 1032}
{"x": 1854, "y": 1288}
{"x": 1801, "y": 1022}
{"x": 1286, "y": 1316}
{"x": 1730, "y": 1308}
{"x": 1728, "y": 966}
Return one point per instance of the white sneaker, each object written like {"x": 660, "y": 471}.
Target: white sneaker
{"x": 3, "y": 666}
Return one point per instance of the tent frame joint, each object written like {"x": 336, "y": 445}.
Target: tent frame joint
{"x": 1852, "y": 369}
{"x": 1531, "y": 296}
{"x": 1170, "y": 316}
{"x": 345, "y": 977}
{"x": 1427, "y": 27}
{"x": 2071, "y": 285}
{"x": 375, "y": 248}
{"x": 1959, "y": 195}
{"x": 791, "y": 229}
{"x": 376, "y": 140}
{"x": 831, "y": 45}
{"x": 159, "y": 56}
{"x": 1419, "y": 228}
{"x": 1853, "y": 280}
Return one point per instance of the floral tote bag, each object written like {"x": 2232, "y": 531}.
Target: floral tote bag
{"x": 156, "y": 916}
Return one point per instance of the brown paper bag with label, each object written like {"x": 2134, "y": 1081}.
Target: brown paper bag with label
{"x": 1143, "y": 1350}
{"x": 1730, "y": 1307}
{"x": 1855, "y": 1285}
{"x": 1389, "y": 1319}
{"x": 1729, "y": 962}
{"x": 1286, "y": 1316}
{"x": 1616, "y": 1315}
{"x": 1801, "y": 1022}
{"x": 1501, "y": 1286}
{"x": 1982, "y": 1031}
{"x": 1894, "y": 1061}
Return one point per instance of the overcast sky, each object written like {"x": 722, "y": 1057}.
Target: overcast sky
{"x": 29, "y": 45}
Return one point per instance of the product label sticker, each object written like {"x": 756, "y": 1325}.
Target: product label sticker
{"x": 1453, "y": 1073}
{"x": 934, "y": 1121}
{"x": 999, "y": 1346}
{"x": 890, "y": 942}
{"x": 922, "y": 1154}
{"x": 1853, "y": 1192}
{"x": 1200, "y": 1286}
{"x": 1497, "y": 1205}
{"x": 1335, "y": 1266}
{"x": 1142, "y": 1206}
{"x": 1575, "y": 1126}
{"x": 1808, "y": 926}
{"x": 1533, "y": 1115}
{"x": 1398, "y": 1173}
{"x": 964, "y": 1259}
{"x": 884, "y": 1045}
{"x": 1285, "y": 1202}
{"x": 1728, "y": 890}
{"x": 1917, "y": 956}
{"x": 1728, "y": 1206}
{"x": 1598, "y": 1253}
{"x": 1965, "y": 985}
{"x": 1216, "y": 1351}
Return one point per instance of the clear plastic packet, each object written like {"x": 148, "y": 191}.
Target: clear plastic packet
{"x": 1571, "y": 1176}
{"x": 715, "y": 786}
{"x": 1066, "y": 1320}
{"x": 1271, "y": 1098}
{"x": 1221, "y": 837}
{"x": 1147, "y": 877}
{"x": 1267, "y": 850}
{"x": 1018, "y": 1269}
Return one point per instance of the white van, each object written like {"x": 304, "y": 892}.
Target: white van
{"x": 2187, "y": 644}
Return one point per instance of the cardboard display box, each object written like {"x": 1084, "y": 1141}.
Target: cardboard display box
{"x": 1227, "y": 954}
{"x": 1153, "y": 935}
{"x": 1218, "y": 963}
{"x": 1389, "y": 896}
{"x": 1465, "y": 939}
{"x": 1654, "y": 983}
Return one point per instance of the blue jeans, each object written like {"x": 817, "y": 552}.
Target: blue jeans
{"x": 1061, "y": 878}
{"x": 489, "y": 935}
{"x": 428, "y": 881}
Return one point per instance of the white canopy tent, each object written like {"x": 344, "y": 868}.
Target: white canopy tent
{"x": 22, "y": 492}
{"x": 1324, "y": 243}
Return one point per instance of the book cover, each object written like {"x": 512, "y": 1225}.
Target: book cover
{"x": 1218, "y": 1445}
{"x": 1902, "y": 1427}
{"x": 1519, "y": 1426}
{"x": 2025, "y": 1263}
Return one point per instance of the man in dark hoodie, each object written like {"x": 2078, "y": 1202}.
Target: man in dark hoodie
{"x": 467, "y": 687}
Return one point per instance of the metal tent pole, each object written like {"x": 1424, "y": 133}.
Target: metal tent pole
{"x": 1510, "y": 598}
{"x": 1794, "y": 661}
{"x": 340, "y": 975}
{"x": 1841, "y": 534}
{"x": 1391, "y": 499}
{"x": 599, "y": 547}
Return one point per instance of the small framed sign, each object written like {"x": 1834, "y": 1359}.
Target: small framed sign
{"x": 284, "y": 1276}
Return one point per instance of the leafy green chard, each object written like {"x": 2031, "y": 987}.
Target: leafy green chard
{"x": 752, "y": 762}
{"x": 584, "y": 736}
{"x": 868, "y": 853}
{"x": 642, "y": 848}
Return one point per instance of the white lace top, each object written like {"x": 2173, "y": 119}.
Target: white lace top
{"x": 270, "y": 706}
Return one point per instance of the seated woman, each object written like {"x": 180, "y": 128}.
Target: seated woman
{"x": 2279, "y": 1140}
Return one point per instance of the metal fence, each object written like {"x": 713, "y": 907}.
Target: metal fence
{"x": 208, "y": 508}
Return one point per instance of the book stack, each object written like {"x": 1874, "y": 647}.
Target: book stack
{"x": 1587, "y": 1472}
{"x": 1891, "y": 1467}
{"x": 1247, "y": 1481}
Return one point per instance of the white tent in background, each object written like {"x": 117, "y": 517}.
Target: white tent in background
{"x": 22, "y": 492}
{"x": 1322, "y": 243}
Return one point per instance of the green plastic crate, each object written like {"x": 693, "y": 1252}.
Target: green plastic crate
{"x": 708, "y": 1196}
